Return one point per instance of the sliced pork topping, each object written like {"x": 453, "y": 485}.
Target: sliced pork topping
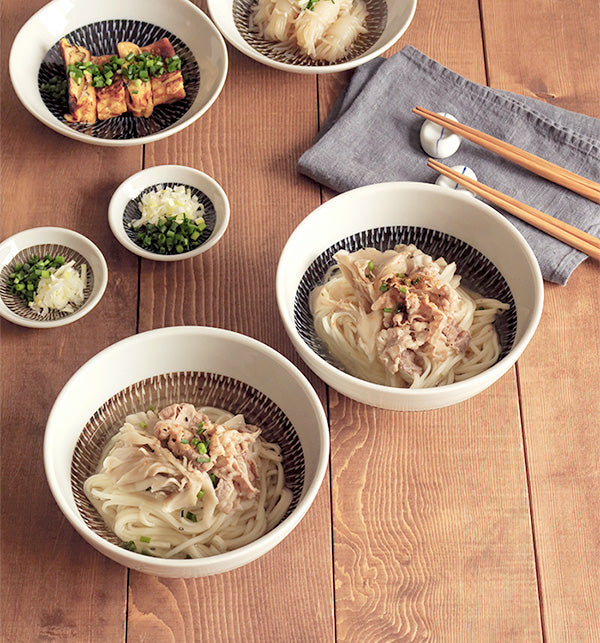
{"x": 234, "y": 463}
{"x": 417, "y": 305}
{"x": 222, "y": 450}
{"x": 180, "y": 429}
{"x": 418, "y": 318}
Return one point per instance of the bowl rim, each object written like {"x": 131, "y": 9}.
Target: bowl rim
{"x": 29, "y": 237}
{"x": 50, "y": 121}
{"x": 348, "y": 381}
{"x": 249, "y": 51}
{"x": 119, "y": 200}
{"x": 235, "y": 557}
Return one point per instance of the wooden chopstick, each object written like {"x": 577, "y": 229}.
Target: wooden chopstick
{"x": 531, "y": 162}
{"x": 560, "y": 230}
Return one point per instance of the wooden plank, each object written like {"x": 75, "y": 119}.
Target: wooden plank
{"x": 556, "y": 57}
{"x": 432, "y": 537}
{"x": 54, "y": 585}
{"x": 250, "y": 147}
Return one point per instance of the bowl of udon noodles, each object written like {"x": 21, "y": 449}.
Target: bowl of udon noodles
{"x": 186, "y": 451}
{"x": 408, "y": 296}
{"x": 312, "y": 36}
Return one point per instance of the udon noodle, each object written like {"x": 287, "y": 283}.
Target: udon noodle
{"x": 322, "y": 29}
{"x": 188, "y": 482}
{"x": 399, "y": 318}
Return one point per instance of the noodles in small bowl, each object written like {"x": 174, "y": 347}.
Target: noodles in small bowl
{"x": 407, "y": 296}
{"x": 186, "y": 451}
{"x": 312, "y": 36}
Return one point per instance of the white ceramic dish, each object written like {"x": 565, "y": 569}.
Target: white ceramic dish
{"x": 488, "y": 248}
{"x": 54, "y": 241}
{"x": 123, "y": 207}
{"x": 33, "y": 58}
{"x": 114, "y": 374}
{"x": 231, "y": 17}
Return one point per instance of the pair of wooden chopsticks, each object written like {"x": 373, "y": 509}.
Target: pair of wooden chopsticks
{"x": 531, "y": 162}
{"x": 554, "y": 227}
{"x": 562, "y": 231}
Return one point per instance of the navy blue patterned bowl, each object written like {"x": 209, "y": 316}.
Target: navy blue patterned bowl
{"x": 124, "y": 207}
{"x": 491, "y": 256}
{"x": 35, "y": 60}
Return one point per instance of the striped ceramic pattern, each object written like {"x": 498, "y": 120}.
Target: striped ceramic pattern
{"x": 478, "y": 274}
{"x": 18, "y": 305}
{"x": 200, "y": 389}
{"x": 132, "y": 211}
{"x": 291, "y": 55}
{"x": 101, "y": 38}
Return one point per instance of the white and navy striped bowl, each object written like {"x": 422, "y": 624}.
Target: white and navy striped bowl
{"x": 193, "y": 364}
{"x": 124, "y": 207}
{"x": 491, "y": 255}
{"x": 99, "y": 25}
{"x": 56, "y": 242}
{"x": 387, "y": 21}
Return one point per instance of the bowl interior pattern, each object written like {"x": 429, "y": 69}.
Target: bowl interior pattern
{"x": 20, "y": 307}
{"x": 291, "y": 55}
{"x": 201, "y": 389}
{"x": 132, "y": 211}
{"x": 101, "y": 38}
{"x": 478, "y": 274}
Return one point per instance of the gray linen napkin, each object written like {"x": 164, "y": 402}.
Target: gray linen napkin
{"x": 371, "y": 136}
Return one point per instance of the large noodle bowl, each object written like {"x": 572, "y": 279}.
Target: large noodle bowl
{"x": 189, "y": 482}
{"x": 401, "y": 318}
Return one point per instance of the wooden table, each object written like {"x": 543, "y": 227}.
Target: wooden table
{"x": 478, "y": 522}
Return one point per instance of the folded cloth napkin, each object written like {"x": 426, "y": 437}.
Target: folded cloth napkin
{"x": 372, "y": 136}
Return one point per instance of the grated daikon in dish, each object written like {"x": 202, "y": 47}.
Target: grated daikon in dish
{"x": 169, "y": 202}
{"x": 62, "y": 290}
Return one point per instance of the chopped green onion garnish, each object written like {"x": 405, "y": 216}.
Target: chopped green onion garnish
{"x": 388, "y": 310}
{"x": 145, "y": 539}
{"x": 200, "y": 494}
{"x": 384, "y": 287}
{"x": 190, "y": 516}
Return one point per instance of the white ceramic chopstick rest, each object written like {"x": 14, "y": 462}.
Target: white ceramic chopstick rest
{"x": 446, "y": 182}
{"x": 437, "y": 141}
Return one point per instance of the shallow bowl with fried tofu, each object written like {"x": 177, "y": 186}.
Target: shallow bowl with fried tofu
{"x": 55, "y": 72}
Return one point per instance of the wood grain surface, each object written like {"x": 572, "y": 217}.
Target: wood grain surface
{"x": 479, "y": 522}
{"x": 560, "y": 405}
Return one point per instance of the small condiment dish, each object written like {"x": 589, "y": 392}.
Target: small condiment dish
{"x": 124, "y": 207}
{"x": 98, "y": 25}
{"x": 387, "y": 21}
{"x": 56, "y": 242}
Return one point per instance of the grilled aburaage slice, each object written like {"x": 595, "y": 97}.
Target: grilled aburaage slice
{"x": 167, "y": 88}
{"x": 135, "y": 80}
{"x": 82, "y": 96}
{"x": 110, "y": 99}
